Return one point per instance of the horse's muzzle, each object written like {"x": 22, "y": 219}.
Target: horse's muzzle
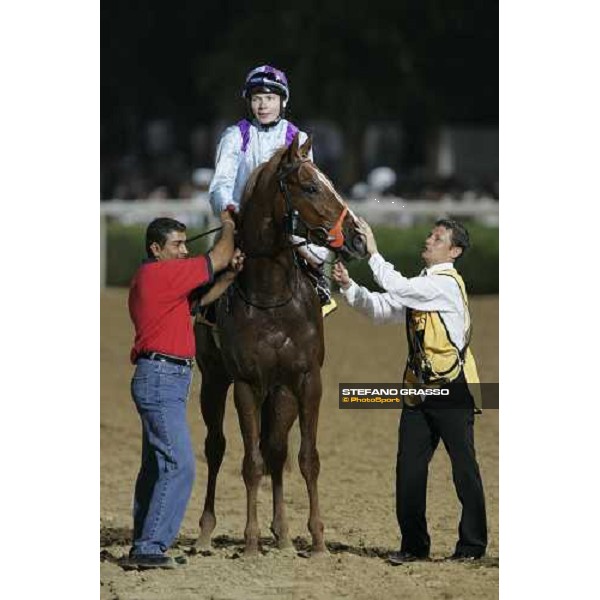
{"x": 359, "y": 245}
{"x": 354, "y": 247}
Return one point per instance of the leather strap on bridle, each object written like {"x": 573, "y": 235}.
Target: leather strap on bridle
{"x": 291, "y": 220}
{"x": 334, "y": 236}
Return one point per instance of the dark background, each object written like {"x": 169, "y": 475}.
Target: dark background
{"x": 172, "y": 73}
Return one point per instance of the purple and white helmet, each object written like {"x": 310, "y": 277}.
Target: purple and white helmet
{"x": 269, "y": 78}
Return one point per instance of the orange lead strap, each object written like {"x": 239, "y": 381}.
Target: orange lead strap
{"x": 336, "y": 237}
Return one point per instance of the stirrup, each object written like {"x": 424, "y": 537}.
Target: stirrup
{"x": 328, "y": 308}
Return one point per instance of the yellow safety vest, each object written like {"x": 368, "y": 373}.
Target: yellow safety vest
{"x": 433, "y": 357}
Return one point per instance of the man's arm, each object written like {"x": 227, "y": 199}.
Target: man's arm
{"x": 431, "y": 293}
{"x": 421, "y": 293}
{"x": 222, "y": 283}
{"x": 381, "y": 308}
{"x": 222, "y": 252}
{"x": 225, "y": 280}
{"x": 220, "y": 192}
{"x": 385, "y": 274}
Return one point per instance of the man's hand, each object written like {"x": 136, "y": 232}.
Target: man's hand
{"x": 340, "y": 275}
{"x": 225, "y": 217}
{"x": 365, "y": 230}
{"x": 236, "y": 264}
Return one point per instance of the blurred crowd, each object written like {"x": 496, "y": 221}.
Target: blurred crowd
{"x": 459, "y": 164}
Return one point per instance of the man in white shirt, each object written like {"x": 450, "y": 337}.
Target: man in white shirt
{"x": 434, "y": 307}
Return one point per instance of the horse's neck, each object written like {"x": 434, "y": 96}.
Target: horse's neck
{"x": 265, "y": 242}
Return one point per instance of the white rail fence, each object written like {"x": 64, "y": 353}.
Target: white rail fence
{"x": 394, "y": 212}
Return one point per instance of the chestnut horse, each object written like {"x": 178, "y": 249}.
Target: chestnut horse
{"x": 271, "y": 338}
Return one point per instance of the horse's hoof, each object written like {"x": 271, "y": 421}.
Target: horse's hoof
{"x": 284, "y": 544}
{"x": 251, "y": 552}
{"x": 281, "y": 541}
{"x": 286, "y": 550}
{"x": 202, "y": 547}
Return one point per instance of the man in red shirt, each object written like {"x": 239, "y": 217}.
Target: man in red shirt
{"x": 163, "y": 352}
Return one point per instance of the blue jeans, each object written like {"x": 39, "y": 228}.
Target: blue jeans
{"x": 164, "y": 483}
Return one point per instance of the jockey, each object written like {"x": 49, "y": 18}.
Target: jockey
{"x": 253, "y": 141}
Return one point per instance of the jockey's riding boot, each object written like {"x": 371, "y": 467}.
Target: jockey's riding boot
{"x": 316, "y": 275}
{"x": 328, "y": 304}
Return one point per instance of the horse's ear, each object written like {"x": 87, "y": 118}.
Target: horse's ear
{"x": 292, "y": 153}
{"x": 295, "y": 152}
{"x": 306, "y": 147}
{"x": 290, "y": 156}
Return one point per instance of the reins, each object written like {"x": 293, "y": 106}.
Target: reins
{"x": 201, "y": 235}
{"x": 249, "y": 302}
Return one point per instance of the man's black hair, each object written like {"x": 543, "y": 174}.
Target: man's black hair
{"x": 158, "y": 230}
{"x": 460, "y": 235}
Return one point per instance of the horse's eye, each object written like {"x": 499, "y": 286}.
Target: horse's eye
{"x": 310, "y": 189}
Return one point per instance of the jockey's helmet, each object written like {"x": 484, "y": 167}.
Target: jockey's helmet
{"x": 266, "y": 79}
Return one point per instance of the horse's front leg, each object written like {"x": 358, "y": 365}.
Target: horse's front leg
{"x": 283, "y": 410}
{"x": 247, "y": 405}
{"x": 308, "y": 457}
{"x": 213, "y": 394}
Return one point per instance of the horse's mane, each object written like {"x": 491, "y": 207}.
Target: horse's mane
{"x": 270, "y": 165}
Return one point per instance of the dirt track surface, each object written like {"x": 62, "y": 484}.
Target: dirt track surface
{"x": 356, "y": 485}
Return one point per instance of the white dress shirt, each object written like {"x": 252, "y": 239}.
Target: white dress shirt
{"x": 430, "y": 292}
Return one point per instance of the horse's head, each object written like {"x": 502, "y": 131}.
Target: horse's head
{"x": 314, "y": 208}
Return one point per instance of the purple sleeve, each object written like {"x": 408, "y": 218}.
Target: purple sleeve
{"x": 291, "y": 131}
{"x": 244, "y": 127}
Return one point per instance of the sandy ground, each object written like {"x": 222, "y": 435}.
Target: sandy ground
{"x": 357, "y": 449}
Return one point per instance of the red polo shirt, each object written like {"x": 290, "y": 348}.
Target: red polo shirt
{"x": 159, "y": 307}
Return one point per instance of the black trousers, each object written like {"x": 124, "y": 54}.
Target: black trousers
{"x": 420, "y": 431}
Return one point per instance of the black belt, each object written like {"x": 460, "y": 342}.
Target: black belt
{"x": 184, "y": 362}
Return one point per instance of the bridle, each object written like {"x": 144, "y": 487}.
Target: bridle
{"x": 334, "y": 237}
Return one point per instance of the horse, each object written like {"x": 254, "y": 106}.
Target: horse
{"x": 271, "y": 338}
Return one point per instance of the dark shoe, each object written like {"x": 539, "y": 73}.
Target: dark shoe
{"x": 401, "y": 557}
{"x": 152, "y": 561}
{"x": 465, "y": 556}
